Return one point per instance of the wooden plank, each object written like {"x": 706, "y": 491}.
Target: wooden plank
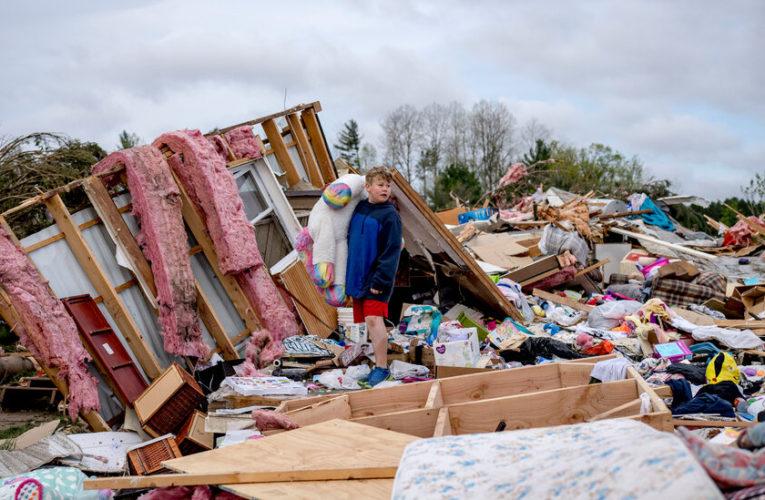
{"x": 435, "y": 398}
{"x": 657, "y": 403}
{"x": 165, "y": 480}
{"x": 679, "y": 422}
{"x": 623, "y": 410}
{"x": 443, "y": 424}
{"x": 471, "y": 277}
{"x": 738, "y": 323}
{"x": 232, "y": 288}
{"x": 280, "y": 150}
{"x": 10, "y": 316}
{"x": 337, "y": 407}
{"x": 573, "y": 304}
{"x": 328, "y": 445}
{"x": 590, "y": 268}
{"x": 104, "y": 288}
{"x": 419, "y": 423}
{"x": 319, "y": 144}
{"x": 305, "y": 151}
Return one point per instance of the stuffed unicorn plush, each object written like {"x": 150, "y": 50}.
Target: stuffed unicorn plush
{"x": 323, "y": 245}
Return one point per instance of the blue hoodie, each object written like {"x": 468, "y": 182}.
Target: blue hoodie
{"x": 374, "y": 246}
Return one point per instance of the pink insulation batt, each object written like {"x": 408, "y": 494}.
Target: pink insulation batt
{"x": 242, "y": 142}
{"x": 50, "y": 332}
{"x": 157, "y": 206}
{"x": 205, "y": 175}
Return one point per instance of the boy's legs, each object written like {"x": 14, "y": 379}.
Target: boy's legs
{"x": 378, "y": 335}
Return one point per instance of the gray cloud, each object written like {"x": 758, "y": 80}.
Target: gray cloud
{"x": 677, "y": 83}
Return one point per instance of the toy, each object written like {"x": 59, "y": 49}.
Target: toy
{"x": 323, "y": 245}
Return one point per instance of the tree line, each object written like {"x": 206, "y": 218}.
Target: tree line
{"x": 451, "y": 154}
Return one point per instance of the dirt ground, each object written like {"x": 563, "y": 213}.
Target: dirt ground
{"x": 20, "y": 418}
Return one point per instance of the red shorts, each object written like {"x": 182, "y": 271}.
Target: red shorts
{"x": 368, "y": 307}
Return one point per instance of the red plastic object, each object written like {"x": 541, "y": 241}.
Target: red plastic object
{"x": 107, "y": 351}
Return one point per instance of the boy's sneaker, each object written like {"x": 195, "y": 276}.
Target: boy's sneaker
{"x": 376, "y": 376}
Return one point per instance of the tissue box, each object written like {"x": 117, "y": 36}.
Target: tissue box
{"x": 458, "y": 352}
{"x": 675, "y": 351}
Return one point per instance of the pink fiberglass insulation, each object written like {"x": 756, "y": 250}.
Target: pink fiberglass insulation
{"x": 209, "y": 184}
{"x": 269, "y": 304}
{"x": 242, "y": 142}
{"x": 49, "y": 333}
{"x": 219, "y": 143}
{"x": 157, "y": 206}
{"x": 204, "y": 174}
{"x": 267, "y": 420}
{"x": 261, "y": 350}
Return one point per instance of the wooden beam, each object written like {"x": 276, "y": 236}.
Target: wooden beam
{"x": 104, "y": 288}
{"x": 10, "y": 316}
{"x": 165, "y": 480}
{"x": 679, "y": 422}
{"x": 319, "y": 144}
{"x": 316, "y": 106}
{"x": 562, "y": 300}
{"x": 280, "y": 150}
{"x": 194, "y": 220}
{"x": 435, "y": 398}
{"x": 443, "y": 424}
{"x": 590, "y": 268}
{"x": 305, "y": 151}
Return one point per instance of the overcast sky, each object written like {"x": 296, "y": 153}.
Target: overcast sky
{"x": 679, "y": 84}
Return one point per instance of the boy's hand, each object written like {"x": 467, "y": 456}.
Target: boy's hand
{"x": 375, "y": 292}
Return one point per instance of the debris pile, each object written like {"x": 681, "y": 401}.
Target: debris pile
{"x": 585, "y": 327}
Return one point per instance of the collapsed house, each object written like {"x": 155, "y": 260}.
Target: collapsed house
{"x": 168, "y": 256}
{"x": 575, "y": 322}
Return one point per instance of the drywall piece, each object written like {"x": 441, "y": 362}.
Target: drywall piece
{"x": 157, "y": 206}
{"x": 212, "y": 188}
{"x": 614, "y": 251}
{"x": 336, "y": 444}
{"x": 46, "y": 328}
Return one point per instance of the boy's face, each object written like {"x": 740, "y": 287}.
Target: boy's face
{"x": 379, "y": 190}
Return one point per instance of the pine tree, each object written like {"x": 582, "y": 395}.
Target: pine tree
{"x": 349, "y": 141}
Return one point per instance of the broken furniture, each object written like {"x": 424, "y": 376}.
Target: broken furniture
{"x": 168, "y": 401}
{"x": 192, "y": 437}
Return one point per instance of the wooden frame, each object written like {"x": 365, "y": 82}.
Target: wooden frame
{"x": 533, "y": 396}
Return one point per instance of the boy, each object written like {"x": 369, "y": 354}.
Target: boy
{"x": 374, "y": 247}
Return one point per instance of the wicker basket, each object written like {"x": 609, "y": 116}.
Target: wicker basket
{"x": 148, "y": 459}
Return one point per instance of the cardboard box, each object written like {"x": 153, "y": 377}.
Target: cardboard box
{"x": 458, "y": 352}
{"x": 451, "y": 216}
{"x": 753, "y": 298}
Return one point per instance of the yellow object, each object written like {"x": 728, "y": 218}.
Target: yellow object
{"x": 723, "y": 367}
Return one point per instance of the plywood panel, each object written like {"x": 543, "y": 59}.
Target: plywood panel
{"x": 332, "y": 444}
